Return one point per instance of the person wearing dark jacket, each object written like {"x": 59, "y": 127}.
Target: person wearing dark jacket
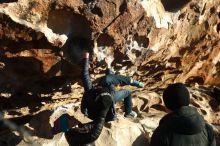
{"x": 87, "y": 133}
{"x": 108, "y": 82}
{"x": 98, "y": 104}
{"x": 183, "y": 126}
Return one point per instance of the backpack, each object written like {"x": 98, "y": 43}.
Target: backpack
{"x": 89, "y": 102}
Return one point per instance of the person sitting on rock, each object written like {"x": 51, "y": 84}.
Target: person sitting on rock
{"x": 98, "y": 103}
{"x": 183, "y": 126}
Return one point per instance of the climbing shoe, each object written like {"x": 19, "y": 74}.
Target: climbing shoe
{"x": 137, "y": 84}
{"x": 132, "y": 114}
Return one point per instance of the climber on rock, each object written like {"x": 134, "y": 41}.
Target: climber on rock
{"x": 183, "y": 126}
{"x": 108, "y": 82}
{"x": 98, "y": 103}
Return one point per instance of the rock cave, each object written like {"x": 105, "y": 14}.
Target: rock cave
{"x": 158, "y": 42}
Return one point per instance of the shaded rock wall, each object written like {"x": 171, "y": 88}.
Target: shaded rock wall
{"x": 27, "y": 59}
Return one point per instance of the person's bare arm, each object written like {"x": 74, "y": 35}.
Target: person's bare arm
{"x": 108, "y": 61}
{"x": 86, "y": 55}
{"x": 87, "y": 83}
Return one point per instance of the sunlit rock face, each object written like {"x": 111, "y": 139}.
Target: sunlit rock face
{"x": 155, "y": 41}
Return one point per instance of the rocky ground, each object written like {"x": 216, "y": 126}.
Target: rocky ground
{"x": 155, "y": 41}
{"x": 148, "y": 104}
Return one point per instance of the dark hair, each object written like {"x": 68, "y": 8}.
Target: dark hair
{"x": 175, "y": 96}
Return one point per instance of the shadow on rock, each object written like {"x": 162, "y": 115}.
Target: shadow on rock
{"x": 215, "y": 102}
{"x": 40, "y": 125}
{"x": 173, "y": 5}
{"x": 20, "y": 100}
{"x": 8, "y": 1}
{"x": 8, "y": 127}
